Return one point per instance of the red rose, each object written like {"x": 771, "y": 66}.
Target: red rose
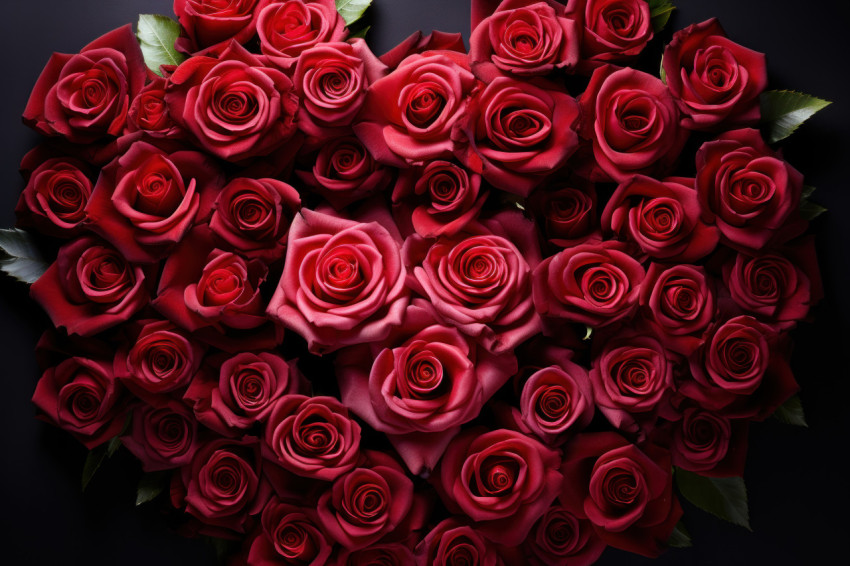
{"x": 593, "y": 283}
{"x": 253, "y": 216}
{"x": 149, "y": 112}
{"x": 146, "y": 200}
{"x": 287, "y": 28}
{"x": 82, "y": 396}
{"x": 501, "y": 479}
{"x": 164, "y": 436}
{"x": 291, "y": 535}
{"x": 614, "y": 30}
{"x": 312, "y": 436}
{"x": 633, "y": 123}
{"x": 524, "y": 37}
{"x": 714, "y": 80}
{"x": 680, "y": 303}
{"x": 234, "y": 107}
{"x": 390, "y": 554}
{"x": 479, "y": 280}
{"x": 214, "y": 24}
{"x": 709, "y": 444}
{"x": 453, "y": 542}
{"x": 417, "y": 43}
{"x": 366, "y": 503}
{"x": 624, "y": 491}
{"x": 748, "y": 190}
{"x": 410, "y": 114}
{"x": 342, "y": 282}
{"x": 90, "y": 287}
{"x": 556, "y": 402}
{"x": 562, "y": 538}
{"x": 661, "y": 217}
{"x": 568, "y": 212}
{"x": 85, "y": 97}
{"x": 520, "y": 133}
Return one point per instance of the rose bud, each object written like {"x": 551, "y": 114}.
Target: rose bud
{"x": 454, "y": 542}
{"x": 287, "y": 28}
{"x": 557, "y": 402}
{"x": 291, "y": 535}
{"x": 163, "y": 436}
{"x": 210, "y": 26}
{"x": 562, "y": 538}
{"x": 614, "y": 30}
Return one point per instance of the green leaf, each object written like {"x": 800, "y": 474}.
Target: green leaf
{"x": 810, "y": 210}
{"x": 223, "y": 547}
{"x": 19, "y": 256}
{"x": 680, "y": 537}
{"x": 96, "y": 457}
{"x": 660, "y": 12}
{"x": 112, "y": 446}
{"x": 661, "y": 72}
{"x": 352, "y": 10}
{"x": 791, "y": 412}
{"x": 807, "y": 192}
{"x": 723, "y": 497}
{"x": 588, "y": 332}
{"x": 361, "y": 34}
{"x": 782, "y": 112}
{"x": 156, "y": 35}
{"x": 150, "y": 486}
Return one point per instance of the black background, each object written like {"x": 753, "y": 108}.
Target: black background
{"x": 797, "y": 478}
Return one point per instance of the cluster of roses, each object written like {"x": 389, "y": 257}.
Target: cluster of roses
{"x": 431, "y": 217}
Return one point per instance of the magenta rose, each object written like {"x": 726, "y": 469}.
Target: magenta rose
{"x": 714, "y": 80}
{"x": 613, "y": 30}
{"x": 254, "y": 215}
{"x": 366, "y": 503}
{"x": 343, "y": 280}
{"x": 568, "y": 212}
{"x": 146, "y": 200}
{"x": 454, "y": 542}
{"x": 410, "y": 115}
{"x": 501, "y": 479}
{"x": 234, "y": 107}
{"x": 633, "y": 124}
{"x": 525, "y": 38}
{"x": 163, "y": 436}
{"x": 91, "y": 287}
{"x": 479, "y": 280}
{"x": 662, "y": 217}
{"x": 84, "y": 98}
{"x": 287, "y": 28}
{"x": 82, "y": 396}
{"x": 556, "y": 402}
{"x": 149, "y": 112}
{"x": 709, "y": 444}
{"x": 312, "y": 436}
{"x": 210, "y": 26}
{"x": 562, "y": 538}
{"x": 291, "y": 535}
{"x": 593, "y": 283}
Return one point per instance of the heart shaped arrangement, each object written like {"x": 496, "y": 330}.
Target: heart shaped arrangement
{"x": 496, "y": 306}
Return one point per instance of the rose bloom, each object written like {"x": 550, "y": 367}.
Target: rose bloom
{"x": 149, "y": 112}
{"x": 559, "y": 537}
{"x": 709, "y": 444}
{"x": 287, "y": 28}
{"x": 163, "y": 436}
{"x": 290, "y": 535}
{"x": 501, "y": 479}
{"x": 526, "y": 38}
{"x": 633, "y": 124}
{"x": 210, "y": 26}
{"x": 454, "y": 542}
{"x": 661, "y": 217}
{"x": 614, "y": 30}
{"x": 556, "y": 402}
{"x": 146, "y": 200}
{"x": 91, "y": 287}
{"x": 567, "y": 211}
{"x": 343, "y": 280}
{"x": 410, "y": 114}
{"x": 625, "y": 491}
{"x": 748, "y": 190}
{"x": 418, "y": 43}
{"x": 84, "y": 98}
{"x": 714, "y": 80}
{"x": 82, "y": 396}
{"x": 388, "y": 554}
{"x": 234, "y": 107}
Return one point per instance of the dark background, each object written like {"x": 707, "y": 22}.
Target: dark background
{"x": 797, "y": 478}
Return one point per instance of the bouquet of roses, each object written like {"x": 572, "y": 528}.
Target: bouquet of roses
{"x": 438, "y": 306}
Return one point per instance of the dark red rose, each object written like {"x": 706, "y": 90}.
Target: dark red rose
{"x": 164, "y": 436}
{"x": 501, "y": 479}
{"x": 85, "y": 97}
{"x": 453, "y": 542}
{"x": 709, "y": 444}
{"x": 253, "y": 216}
{"x": 562, "y": 538}
{"x": 633, "y": 123}
{"x": 439, "y": 199}
{"x": 626, "y": 492}
{"x": 344, "y": 172}
{"x": 568, "y": 212}
{"x": 593, "y": 283}
{"x": 524, "y": 37}
{"x": 214, "y": 24}
{"x": 291, "y": 536}
{"x": 748, "y": 190}
{"x": 90, "y": 287}
{"x": 479, "y": 280}
{"x": 410, "y": 114}
{"x": 289, "y": 27}
{"x": 680, "y": 303}
{"x": 58, "y": 189}
{"x": 389, "y": 554}
{"x": 242, "y": 391}
{"x": 557, "y": 402}
{"x": 417, "y": 43}
{"x": 146, "y": 200}
{"x": 343, "y": 280}
{"x": 82, "y": 396}
{"x": 714, "y": 80}
{"x": 312, "y": 436}
{"x": 614, "y": 30}
{"x": 234, "y": 107}
{"x": 149, "y": 112}
{"x": 366, "y": 503}
{"x": 661, "y": 217}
